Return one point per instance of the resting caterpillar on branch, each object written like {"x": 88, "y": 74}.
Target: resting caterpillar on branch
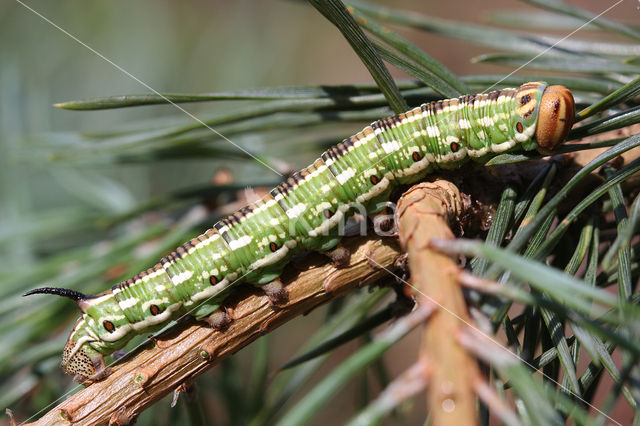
{"x": 255, "y": 243}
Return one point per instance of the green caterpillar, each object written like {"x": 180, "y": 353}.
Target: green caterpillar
{"x": 256, "y": 242}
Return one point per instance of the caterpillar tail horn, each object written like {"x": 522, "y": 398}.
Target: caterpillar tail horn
{"x": 80, "y": 298}
{"x": 78, "y": 358}
{"x": 64, "y": 292}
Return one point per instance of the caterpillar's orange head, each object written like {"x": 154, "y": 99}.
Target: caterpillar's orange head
{"x": 555, "y": 118}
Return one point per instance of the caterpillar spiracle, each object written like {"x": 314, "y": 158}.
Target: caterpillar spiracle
{"x": 256, "y": 242}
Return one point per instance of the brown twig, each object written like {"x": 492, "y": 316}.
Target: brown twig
{"x": 155, "y": 371}
{"x": 425, "y": 212}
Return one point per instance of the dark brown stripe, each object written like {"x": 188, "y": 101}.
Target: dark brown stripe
{"x": 380, "y": 124}
{"x": 224, "y": 235}
{"x": 277, "y": 191}
{"x": 349, "y": 142}
{"x": 328, "y": 155}
{"x": 529, "y": 113}
{"x": 120, "y": 286}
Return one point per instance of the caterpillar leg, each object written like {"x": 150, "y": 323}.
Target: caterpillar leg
{"x": 405, "y": 299}
{"x": 339, "y": 256}
{"x": 204, "y": 310}
{"x": 276, "y": 292}
{"x": 329, "y": 245}
{"x": 213, "y": 314}
{"x": 84, "y": 363}
{"x": 219, "y": 320}
{"x": 101, "y": 371}
{"x": 384, "y": 224}
{"x": 268, "y": 280}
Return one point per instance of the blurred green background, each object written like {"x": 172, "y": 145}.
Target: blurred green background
{"x": 186, "y": 46}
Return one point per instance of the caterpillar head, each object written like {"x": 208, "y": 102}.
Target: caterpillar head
{"x": 555, "y": 118}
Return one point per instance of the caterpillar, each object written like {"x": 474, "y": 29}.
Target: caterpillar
{"x": 256, "y": 242}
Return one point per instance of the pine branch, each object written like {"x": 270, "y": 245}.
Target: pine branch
{"x": 424, "y": 212}
{"x": 178, "y": 356}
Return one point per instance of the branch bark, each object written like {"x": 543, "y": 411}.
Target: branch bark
{"x": 180, "y": 355}
{"x": 425, "y": 212}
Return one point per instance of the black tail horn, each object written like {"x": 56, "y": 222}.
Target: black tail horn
{"x": 64, "y": 292}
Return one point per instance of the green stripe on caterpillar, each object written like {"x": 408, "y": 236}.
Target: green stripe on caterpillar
{"x": 255, "y": 243}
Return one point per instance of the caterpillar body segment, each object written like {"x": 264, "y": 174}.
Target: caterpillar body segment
{"x": 303, "y": 213}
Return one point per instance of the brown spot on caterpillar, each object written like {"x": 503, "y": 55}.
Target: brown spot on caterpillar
{"x": 416, "y": 156}
{"x": 273, "y": 246}
{"x": 519, "y": 127}
{"x": 374, "y": 179}
{"x": 454, "y": 146}
{"x": 213, "y": 280}
{"x": 327, "y": 213}
{"x": 154, "y": 309}
{"x": 108, "y": 325}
